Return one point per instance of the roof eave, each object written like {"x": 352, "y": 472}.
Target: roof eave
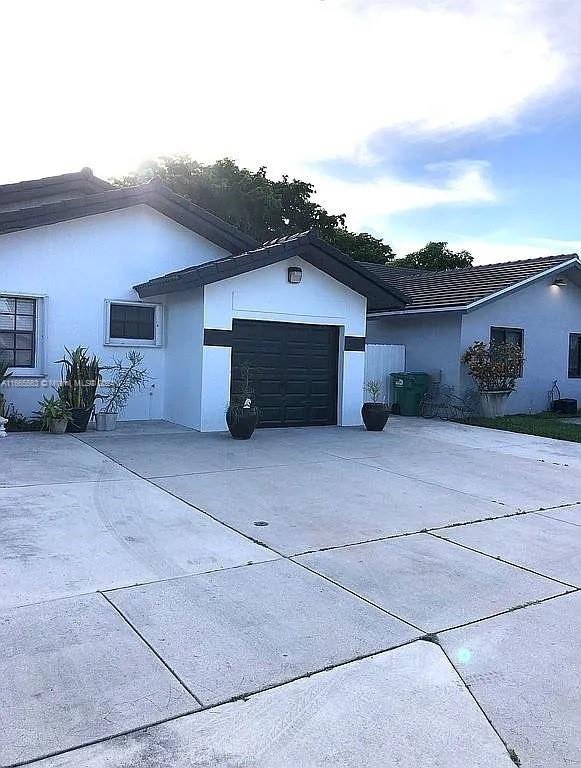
{"x": 308, "y": 247}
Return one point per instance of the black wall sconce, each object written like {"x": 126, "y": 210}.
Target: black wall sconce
{"x": 295, "y": 275}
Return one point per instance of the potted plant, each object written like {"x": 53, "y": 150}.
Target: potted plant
{"x": 375, "y": 412}
{"x": 4, "y": 375}
{"x": 495, "y": 367}
{"x": 54, "y": 414}
{"x": 80, "y": 377}
{"x": 127, "y": 376}
{"x": 242, "y": 415}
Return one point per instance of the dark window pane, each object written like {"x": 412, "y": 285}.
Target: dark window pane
{"x": 506, "y": 335}
{"x": 7, "y": 322}
{"x": 132, "y": 322}
{"x": 7, "y": 356}
{"x": 6, "y": 340}
{"x": 575, "y": 355}
{"x": 24, "y": 358}
{"x": 24, "y": 341}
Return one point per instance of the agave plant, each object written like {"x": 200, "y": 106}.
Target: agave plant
{"x": 53, "y": 408}
{"x": 80, "y": 376}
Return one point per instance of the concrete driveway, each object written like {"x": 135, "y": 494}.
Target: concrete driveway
{"x": 312, "y": 597}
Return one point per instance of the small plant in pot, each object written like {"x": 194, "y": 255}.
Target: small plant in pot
{"x": 242, "y": 415}
{"x": 80, "y": 377}
{"x": 54, "y": 414}
{"x": 495, "y": 368}
{"x": 126, "y": 377}
{"x": 375, "y": 412}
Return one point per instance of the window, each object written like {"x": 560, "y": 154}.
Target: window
{"x": 133, "y": 323}
{"x": 508, "y": 336}
{"x": 575, "y": 355}
{"x": 18, "y": 331}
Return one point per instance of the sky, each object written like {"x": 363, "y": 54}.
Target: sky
{"x": 455, "y": 120}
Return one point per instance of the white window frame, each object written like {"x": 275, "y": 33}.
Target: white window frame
{"x": 110, "y": 341}
{"x": 38, "y": 371}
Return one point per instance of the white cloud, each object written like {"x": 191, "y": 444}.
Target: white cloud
{"x": 264, "y": 81}
{"x": 368, "y": 203}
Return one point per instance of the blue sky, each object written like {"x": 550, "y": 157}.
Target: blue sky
{"x": 455, "y": 120}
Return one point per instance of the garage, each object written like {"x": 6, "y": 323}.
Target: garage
{"x": 294, "y": 369}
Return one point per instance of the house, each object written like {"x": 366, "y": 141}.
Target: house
{"x": 535, "y": 303}
{"x": 84, "y": 263}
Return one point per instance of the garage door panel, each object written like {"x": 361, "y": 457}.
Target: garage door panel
{"x": 294, "y": 370}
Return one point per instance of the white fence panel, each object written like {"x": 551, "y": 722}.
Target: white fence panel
{"x": 383, "y": 359}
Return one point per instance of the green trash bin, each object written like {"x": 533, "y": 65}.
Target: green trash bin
{"x": 407, "y": 390}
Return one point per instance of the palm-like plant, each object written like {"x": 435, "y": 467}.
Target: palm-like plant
{"x": 80, "y": 375}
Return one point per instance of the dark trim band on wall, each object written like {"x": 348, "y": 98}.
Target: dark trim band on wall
{"x": 216, "y": 337}
{"x": 354, "y": 343}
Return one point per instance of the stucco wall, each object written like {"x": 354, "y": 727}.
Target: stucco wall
{"x": 266, "y": 294}
{"x": 547, "y": 314}
{"x": 432, "y": 342}
{"x": 79, "y": 264}
{"x": 183, "y": 359}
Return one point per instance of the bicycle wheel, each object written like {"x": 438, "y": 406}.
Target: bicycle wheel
{"x": 428, "y": 408}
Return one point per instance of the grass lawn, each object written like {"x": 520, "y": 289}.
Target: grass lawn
{"x": 539, "y": 424}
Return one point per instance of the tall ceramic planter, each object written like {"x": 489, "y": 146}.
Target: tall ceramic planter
{"x": 494, "y": 404}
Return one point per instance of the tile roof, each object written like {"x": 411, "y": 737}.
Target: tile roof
{"x": 152, "y": 193}
{"x": 52, "y": 188}
{"x": 461, "y": 287}
{"x": 306, "y": 245}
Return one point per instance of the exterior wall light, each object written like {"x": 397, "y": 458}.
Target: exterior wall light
{"x": 560, "y": 281}
{"x": 295, "y": 275}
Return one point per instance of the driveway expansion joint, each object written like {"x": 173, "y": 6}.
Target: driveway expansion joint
{"x": 572, "y": 587}
{"x": 151, "y": 648}
{"x": 510, "y": 750}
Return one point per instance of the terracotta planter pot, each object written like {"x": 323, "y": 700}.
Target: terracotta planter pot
{"x": 375, "y": 416}
{"x": 494, "y": 404}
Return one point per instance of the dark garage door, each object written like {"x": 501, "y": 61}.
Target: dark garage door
{"x": 294, "y": 371}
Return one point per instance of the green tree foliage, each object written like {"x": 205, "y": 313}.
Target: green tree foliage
{"x": 259, "y": 206}
{"x": 436, "y": 256}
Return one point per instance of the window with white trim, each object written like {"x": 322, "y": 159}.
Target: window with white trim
{"x": 18, "y": 331}
{"x": 133, "y": 323}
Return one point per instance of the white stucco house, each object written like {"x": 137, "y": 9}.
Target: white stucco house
{"x": 84, "y": 263}
{"x": 535, "y": 303}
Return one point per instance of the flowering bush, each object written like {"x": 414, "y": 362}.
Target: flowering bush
{"x": 494, "y": 367}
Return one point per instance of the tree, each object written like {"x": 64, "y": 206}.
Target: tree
{"x": 261, "y": 207}
{"x": 436, "y": 256}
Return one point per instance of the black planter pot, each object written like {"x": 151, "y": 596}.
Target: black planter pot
{"x": 375, "y": 416}
{"x": 241, "y": 422}
{"x": 79, "y": 419}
